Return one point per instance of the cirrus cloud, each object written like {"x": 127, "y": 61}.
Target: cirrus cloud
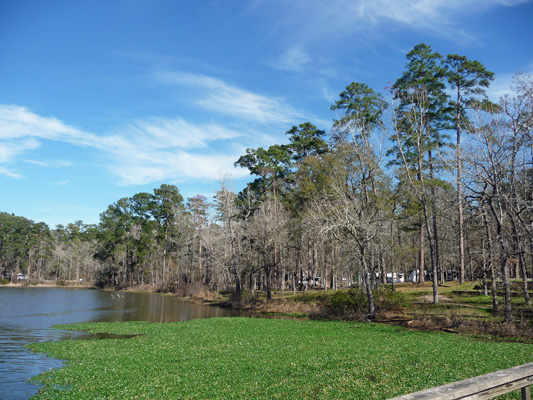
{"x": 220, "y": 97}
{"x": 142, "y": 152}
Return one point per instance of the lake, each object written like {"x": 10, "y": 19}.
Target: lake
{"x": 27, "y": 315}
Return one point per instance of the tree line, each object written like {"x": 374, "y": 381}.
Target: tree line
{"x": 428, "y": 178}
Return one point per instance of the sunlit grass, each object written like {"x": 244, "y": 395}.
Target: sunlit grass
{"x": 244, "y": 358}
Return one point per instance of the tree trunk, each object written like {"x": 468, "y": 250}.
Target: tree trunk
{"x": 520, "y": 264}
{"x": 523, "y": 269}
{"x": 268, "y": 276}
{"x": 421, "y": 277}
{"x": 433, "y": 236}
{"x": 200, "y": 258}
{"x": 370, "y": 297}
{"x": 460, "y": 190}
{"x": 485, "y": 268}
{"x": 498, "y": 217}
{"x": 493, "y": 286}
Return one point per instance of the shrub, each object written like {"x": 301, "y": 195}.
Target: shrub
{"x": 349, "y": 304}
{"x": 391, "y": 300}
{"x": 60, "y": 282}
{"x": 454, "y": 318}
{"x": 353, "y": 304}
{"x": 4, "y": 281}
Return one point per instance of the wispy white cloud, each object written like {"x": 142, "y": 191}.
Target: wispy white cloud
{"x": 17, "y": 145}
{"x": 164, "y": 149}
{"x": 179, "y": 133}
{"x": 221, "y": 97}
{"x": 155, "y": 148}
{"x": 144, "y": 151}
{"x": 511, "y": 3}
{"x": 61, "y": 183}
{"x": 328, "y": 93}
{"x": 52, "y": 163}
{"x": 500, "y": 87}
{"x": 176, "y": 167}
{"x": 503, "y": 83}
{"x": 295, "y": 59}
{"x": 314, "y": 20}
{"x": 307, "y": 27}
{"x": 9, "y": 172}
{"x": 19, "y": 122}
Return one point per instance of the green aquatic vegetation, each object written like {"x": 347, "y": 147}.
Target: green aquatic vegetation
{"x": 237, "y": 358}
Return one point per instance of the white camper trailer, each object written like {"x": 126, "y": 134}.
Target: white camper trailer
{"x": 396, "y": 277}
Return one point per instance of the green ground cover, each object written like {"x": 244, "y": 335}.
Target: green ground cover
{"x": 246, "y": 358}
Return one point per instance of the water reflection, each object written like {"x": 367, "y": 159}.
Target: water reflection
{"x": 156, "y": 308}
{"x": 27, "y": 314}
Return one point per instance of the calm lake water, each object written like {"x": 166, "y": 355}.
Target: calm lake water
{"x": 27, "y": 314}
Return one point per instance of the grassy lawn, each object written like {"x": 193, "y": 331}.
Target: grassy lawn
{"x": 458, "y": 303}
{"x": 252, "y": 358}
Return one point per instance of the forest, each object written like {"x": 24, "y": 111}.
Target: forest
{"x": 427, "y": 178}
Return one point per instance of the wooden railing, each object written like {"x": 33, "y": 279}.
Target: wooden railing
{"x": 481, "y": 387}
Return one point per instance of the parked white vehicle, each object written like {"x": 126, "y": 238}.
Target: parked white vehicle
{"x": 397, "y": 277}
{"x": 414, "y": 276}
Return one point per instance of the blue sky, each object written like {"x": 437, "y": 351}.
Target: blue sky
{"x": 104, "y": 99}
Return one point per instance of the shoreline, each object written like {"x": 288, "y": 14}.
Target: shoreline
{"x": 314, "y": 304}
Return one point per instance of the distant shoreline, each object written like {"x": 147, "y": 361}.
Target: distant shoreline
{"x": 461, "y": 310}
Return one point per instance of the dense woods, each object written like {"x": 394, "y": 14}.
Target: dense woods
{"x": 428, "y": 179}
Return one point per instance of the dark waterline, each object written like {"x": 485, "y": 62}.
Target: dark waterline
{"x": 27, "y": 315}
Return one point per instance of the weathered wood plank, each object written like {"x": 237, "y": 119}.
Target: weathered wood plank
{"x": 481, "y": 387}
